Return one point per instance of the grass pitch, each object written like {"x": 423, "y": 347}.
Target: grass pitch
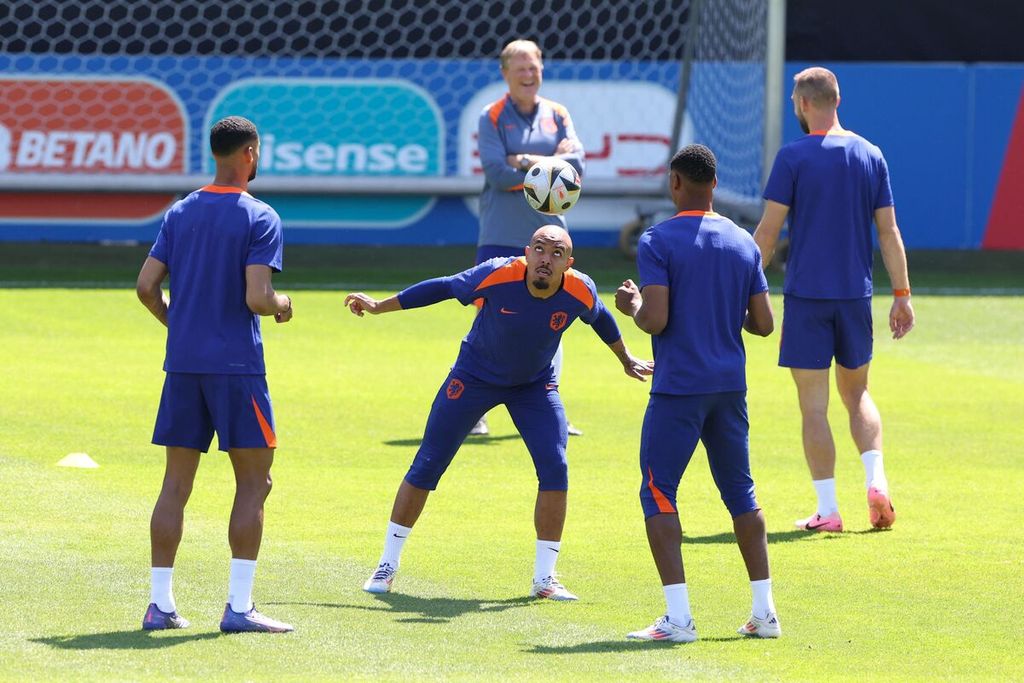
{"x": 939, "y": 596}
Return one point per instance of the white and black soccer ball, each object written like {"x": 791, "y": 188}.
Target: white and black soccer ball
{"x": 552, "y": 186}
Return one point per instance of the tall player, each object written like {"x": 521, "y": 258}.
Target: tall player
{"x": 528, "y": 302}
{"x": 514, "y": 133}
{"x": 702, "y": 285}
{"x": 832, "y": 184}
{"x": 219, "y": 245}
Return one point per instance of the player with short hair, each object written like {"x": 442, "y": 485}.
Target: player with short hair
{"x": 514, "y": 133}
{"x": 831, "y": 184}
{"x": 702, "y": 284}
{"x": 220, "y": 246}
{"x": 528, "y": 302}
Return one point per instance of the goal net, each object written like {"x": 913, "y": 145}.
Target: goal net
{"x": 356, "y": 98}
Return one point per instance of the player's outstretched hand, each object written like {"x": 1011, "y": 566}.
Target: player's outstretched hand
{"x": 627, "y": 298}
{"x": 639, "y": 369}
{"x": 901, "y": 317}
{"x": 360, "y": 303}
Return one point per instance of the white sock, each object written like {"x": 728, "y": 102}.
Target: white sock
{"x": 764, "y": 603}
{"x": 547, "y": 555}
{"x": 874, "y": 471}
{"x": 677, "y": 598}
{"x": 160, "y": 588}
{"x": 240, "y": 584}
{"x": 826, "y": 490}
{"x": 393, "y": 543}
{"x": 556, "y": 363}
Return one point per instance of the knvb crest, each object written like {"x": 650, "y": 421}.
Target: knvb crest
{"x": 455, "y": 389}
{"x": 558, "y": 320}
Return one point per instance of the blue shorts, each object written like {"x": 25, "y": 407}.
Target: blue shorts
{"x": 486, "y": 252}
{"x": 536, "y": 410}
{"x": 193, "y": 407}
{"x": 815, "y": 330}
{"x": 672, "y": 426}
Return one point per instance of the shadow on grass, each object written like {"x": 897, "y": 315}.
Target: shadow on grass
{"x": 783, "y": 536}
{"x": 622, "y": 645}
{"x": 136, "y": 639}
{"x": 471, "y": 440}
{"x": 426, "y": 610}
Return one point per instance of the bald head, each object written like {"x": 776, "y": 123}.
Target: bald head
{"x": 548, "y": 256}
{"x": 554, "y": 236}
{"x": 818, "y": 85}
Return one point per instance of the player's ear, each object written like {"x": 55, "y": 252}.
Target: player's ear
{"x": 714, "y": 183}
{"x": 571, "y": 260}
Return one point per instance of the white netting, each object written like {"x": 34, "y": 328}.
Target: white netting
{"x": 725, "y": 100}
{"x": 379, "y": 92}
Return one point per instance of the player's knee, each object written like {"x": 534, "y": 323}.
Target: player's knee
{"x": 424, "y": 475}
{"x": 553, "y": 476}
{"x": 740, "y": 504}
{"x": 175, "y": 491}
{"x": 657, "y": 501}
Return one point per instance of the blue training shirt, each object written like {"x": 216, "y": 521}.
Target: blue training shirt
{"x": 206, "y": 240}
{"x": 515, "y": 334}
{"x": 711, "y": 268}
{"x": 832, "y": 182}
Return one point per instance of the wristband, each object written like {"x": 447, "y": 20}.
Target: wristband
{"x": 901, "y": 292}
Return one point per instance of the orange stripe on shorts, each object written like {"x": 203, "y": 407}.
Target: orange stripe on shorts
{"x": 268, "y": 432}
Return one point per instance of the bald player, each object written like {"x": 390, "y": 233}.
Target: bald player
{"x": 528, "y": 303}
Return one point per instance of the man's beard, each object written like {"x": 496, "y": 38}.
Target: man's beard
{"x": 541, "y": 284}
{"x": 252, "y": 174}
{"x": 803, "y": 126}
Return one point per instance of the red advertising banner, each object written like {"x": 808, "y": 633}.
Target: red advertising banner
{"x": 89, "y": 126}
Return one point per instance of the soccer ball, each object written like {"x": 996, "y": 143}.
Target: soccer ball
{"x": 552, "y": 186}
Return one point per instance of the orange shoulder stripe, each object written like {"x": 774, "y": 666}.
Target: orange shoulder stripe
{"x": 557, "y": 108}
{"x": 510, "y": 272}
{"x": 575, "y": 285}
{"x": 494, "y": 111}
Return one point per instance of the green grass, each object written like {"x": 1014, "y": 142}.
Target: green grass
{"x": 939, "y": 596}
{"x": 90, "y": 265}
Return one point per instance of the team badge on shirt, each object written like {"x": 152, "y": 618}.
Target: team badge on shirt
{"x": 558, "y": 320}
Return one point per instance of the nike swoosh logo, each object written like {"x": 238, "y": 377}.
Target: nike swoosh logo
{"x": 507, "y": 312}
{"x": 397, "y": 536}
{"x": 812, "y": 527}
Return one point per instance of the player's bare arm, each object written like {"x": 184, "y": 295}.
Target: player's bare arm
{"x": 148, "y": 288}
{"x": 767, "y": 233}
{"x": 901, "y": 314}
{"x": 634, "y": 367}
{"x": 647, "y": 308}
{"x": 361, "y": 304}
{"x": 760, "y": 319}
{"x": 260, "y": 296}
